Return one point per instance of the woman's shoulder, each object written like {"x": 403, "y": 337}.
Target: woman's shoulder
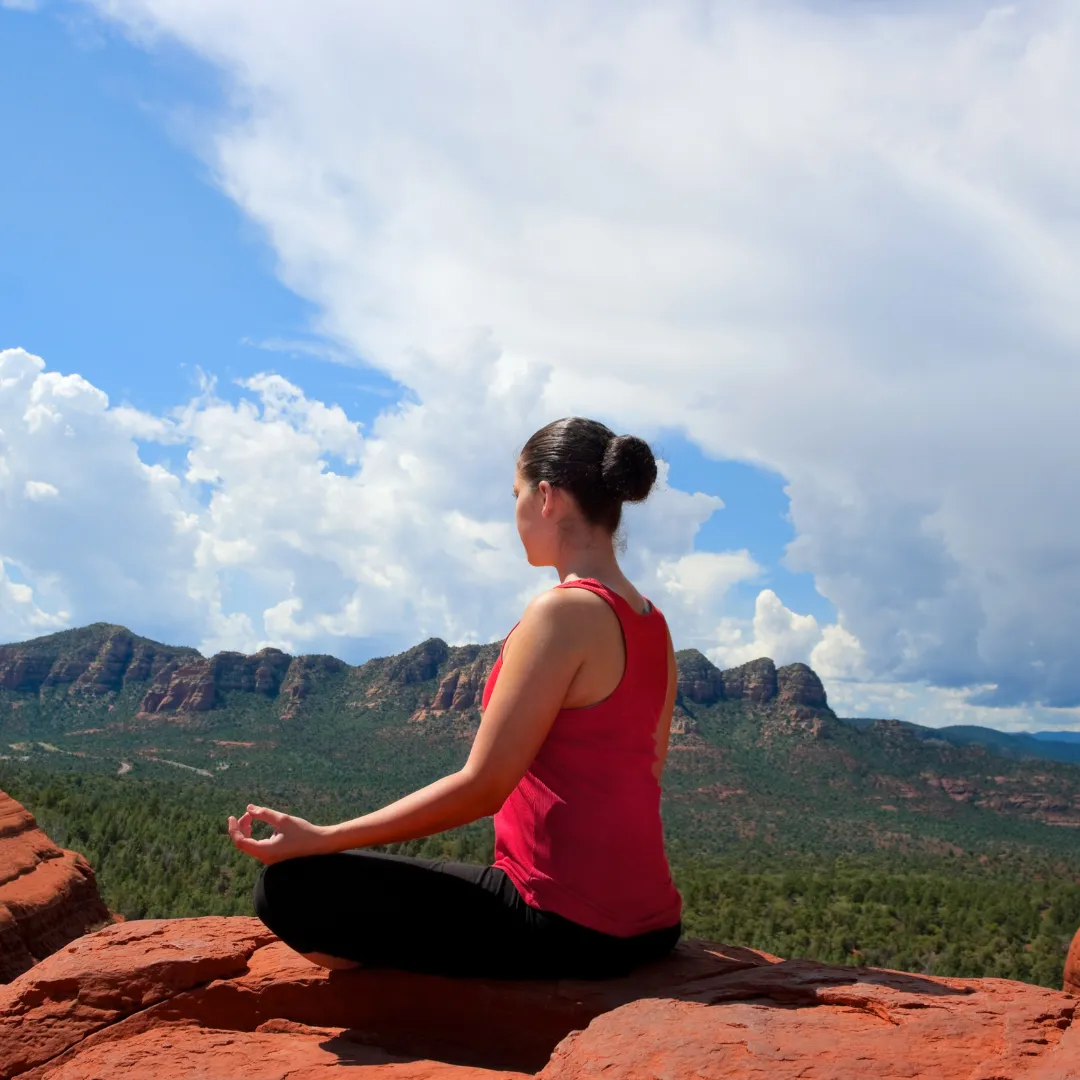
{"x": 627, "y": 596}
{"x": 590, "y": 594}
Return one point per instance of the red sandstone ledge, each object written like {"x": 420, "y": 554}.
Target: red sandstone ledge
{"x": 48, "y": 896}
{"x": 222, "y": 997}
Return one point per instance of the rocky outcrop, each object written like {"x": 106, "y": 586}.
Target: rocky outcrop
{"x": 700, "y": 681}
{"x": 222, "y": 997}
{"x": 1072, "y": 967}
{"x": 94, "y": 660}
{"x": 302, "y": 675}
{"x": 48, "y": 896}
{"x": 1039, "y": 799}
{"x": 797, "y": 684}
{"x": 102, "y": 659}
{"x": 703, "y": 683}
{"x": 460, "y": 688}
{"x": 202, "y": 684}
{"x": 755, "y": 681}
{"x": 415, "y": 665}
{"x": 682, "y": 723}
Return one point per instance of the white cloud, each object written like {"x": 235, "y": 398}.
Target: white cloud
{"x": 703, "y": 577}
{"x": 39, "y": 490}
{"x": 16, "y": 597}
{"x": 838, "y": 654}
{"x": 839, "y": 659}
{"x": 19, "y": 5}
{"x": 775, "y": 631}
{"x": 98, "y": 538}
{"x": 287, "y": 524}
{"x": 841, "y": 243}
{"x": 938, "y": 707}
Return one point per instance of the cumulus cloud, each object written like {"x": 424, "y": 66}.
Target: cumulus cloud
{"x": 91, "y": 528}
{"x": 290, "y": 525}
{"x": 777, "y": 632}
{"x": 782, "y": 634}
{"x": 838, "y": 242}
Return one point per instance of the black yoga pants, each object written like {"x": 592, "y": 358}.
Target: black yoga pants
{"x": 436, "y": 916}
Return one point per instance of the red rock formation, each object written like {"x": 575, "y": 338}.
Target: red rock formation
{"x": 223, "y": 998}
{"x": 95, "y": 660}
{"x": 199, "y": 686}
{"x": 461, "y": 687}
{"x": 755, "y": 681}
{"x": 700, "y": 680}
{"x": 48, "y": 896}
{"x": 798, "y": 684}
{"x": 299, "y": 678}
{"x": 1072, "y": 967}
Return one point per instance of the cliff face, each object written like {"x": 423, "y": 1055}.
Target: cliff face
{"x": 201, "y": 684}
{"x": 48, "y": 896}
{"x": 92, "y": 661}
{"x": 701, "y": 682}
{"x": 788, "y": 699}
{"x": 222, "y": 997}
{"x": 1071, "y": 983}
{"x": 102, "y": 660}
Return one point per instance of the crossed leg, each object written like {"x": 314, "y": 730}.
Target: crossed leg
{"x": 363, "y": 909}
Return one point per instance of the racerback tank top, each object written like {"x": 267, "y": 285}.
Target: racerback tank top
{"x": 581, "y": 834}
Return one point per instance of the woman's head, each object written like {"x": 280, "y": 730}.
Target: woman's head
{"x": 587, "y": 461}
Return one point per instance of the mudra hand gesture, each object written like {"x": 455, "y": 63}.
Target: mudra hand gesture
{"x": 293, "y": 836}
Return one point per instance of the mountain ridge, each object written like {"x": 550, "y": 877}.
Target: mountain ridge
{"x": 756, "y": 754}
{"x": 103, "y": 658}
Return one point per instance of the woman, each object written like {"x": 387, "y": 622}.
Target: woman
{"x": 568, "y": 758}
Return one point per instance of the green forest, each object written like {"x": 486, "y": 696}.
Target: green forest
{"x": 160, "y": 850}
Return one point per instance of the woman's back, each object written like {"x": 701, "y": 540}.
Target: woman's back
{"x": 581, "y": 834}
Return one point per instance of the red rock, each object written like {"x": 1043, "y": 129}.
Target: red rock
{"x": 755, "y": 681}
{"x": 1072, "y": 967}
{"x": 798, "y": 684}
{"x": 298, "y": 680}
{"x": 48, "y": 896}
{"x": 222, "y": 998}
{"x": 699, "y": 680}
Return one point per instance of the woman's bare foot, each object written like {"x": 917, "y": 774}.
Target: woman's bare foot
{"x": 334, "y": 963}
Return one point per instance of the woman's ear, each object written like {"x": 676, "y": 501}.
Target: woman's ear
{"x": 548, "y": 492}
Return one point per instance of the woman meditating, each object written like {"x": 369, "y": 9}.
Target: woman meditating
{"x": 568, "y": 758}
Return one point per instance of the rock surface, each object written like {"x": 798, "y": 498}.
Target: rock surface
{"x": 48, "y": 896}
{"x": 221, "y": 997}
{"x": 1072, "y": 967}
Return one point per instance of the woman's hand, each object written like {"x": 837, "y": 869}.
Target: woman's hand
{"x": 293, "y": 836}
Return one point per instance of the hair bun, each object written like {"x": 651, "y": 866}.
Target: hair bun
{"x": 629, "y": 468}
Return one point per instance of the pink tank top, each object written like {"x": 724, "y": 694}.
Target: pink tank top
{"x": 581, "y": 834}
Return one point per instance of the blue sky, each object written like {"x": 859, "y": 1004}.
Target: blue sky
{"x": 122, "y": 261}
{"x": 834, "y": 295}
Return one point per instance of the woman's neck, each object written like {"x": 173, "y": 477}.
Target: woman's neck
{"x": 594, "y": 562}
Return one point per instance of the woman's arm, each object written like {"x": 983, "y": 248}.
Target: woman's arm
{"x": 452, "y": 801}
{"x": 539, "y": 663}
{"x": 663, "y": 732}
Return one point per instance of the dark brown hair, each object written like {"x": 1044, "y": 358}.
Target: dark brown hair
{"x": 600, "y": 469}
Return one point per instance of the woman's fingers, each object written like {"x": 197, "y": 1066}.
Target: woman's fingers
{"x": 272, "y": 847}
{"x": 264, "y": 813}
{"x": 240, "y": 830}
